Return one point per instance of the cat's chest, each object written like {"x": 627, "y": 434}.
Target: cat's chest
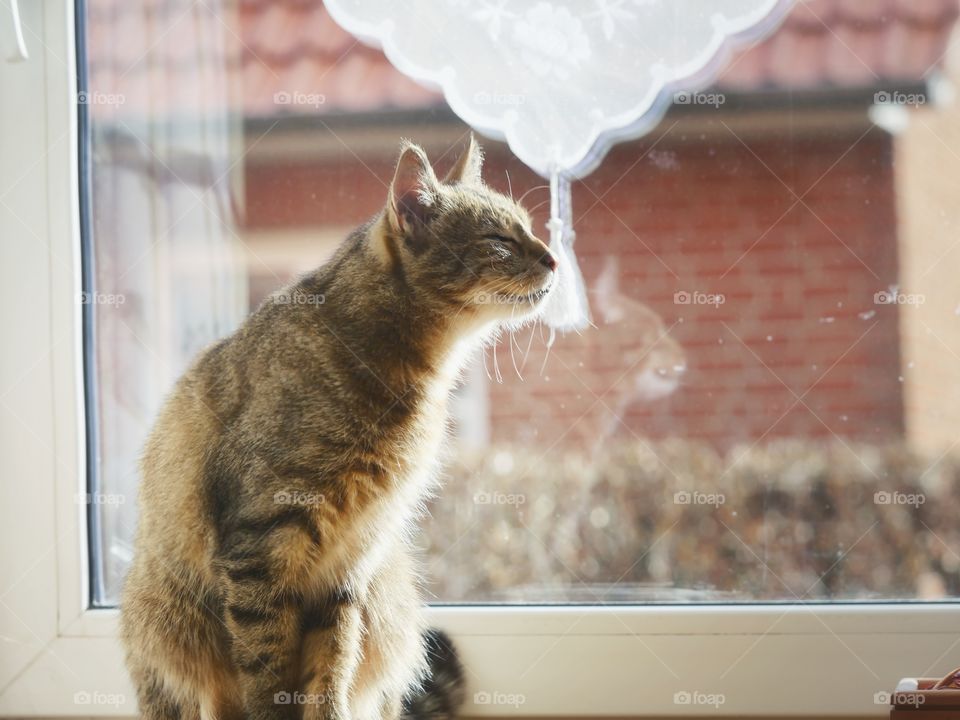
{"x": 412, "y": 447}
{"x": 413, "y": 464}
{"x": 365, "y": 537}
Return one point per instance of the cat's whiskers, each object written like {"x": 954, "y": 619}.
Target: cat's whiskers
{"x": 502, "y": 287}
{"x": 533, "y": 331}
{"x": 545, "y": 358}
{"x": 486, "y": 369}
{"x": 513, "y": 341}
{"x": 536, "y": 207}
{"x": 535, "y": 187}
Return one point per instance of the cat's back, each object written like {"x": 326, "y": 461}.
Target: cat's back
{"x": 172, "y": 466}
{"x": 246, "y": 387}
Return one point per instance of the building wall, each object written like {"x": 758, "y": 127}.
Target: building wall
{"x": 927, "y": 169}
{"x": 696, "y": 213}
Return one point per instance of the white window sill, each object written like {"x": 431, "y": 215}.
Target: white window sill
{"x": 770, "y": 661}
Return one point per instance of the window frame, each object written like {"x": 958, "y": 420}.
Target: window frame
{"x": 783, "y": 659}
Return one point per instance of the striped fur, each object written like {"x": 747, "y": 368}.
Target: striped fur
{"x": 272, "y": 575}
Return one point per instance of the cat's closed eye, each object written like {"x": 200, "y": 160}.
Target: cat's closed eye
{"x": 502, "y": 239}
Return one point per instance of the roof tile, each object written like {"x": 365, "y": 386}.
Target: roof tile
{"x": 290, "y": 46}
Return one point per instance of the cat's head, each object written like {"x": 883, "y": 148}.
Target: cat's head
{"x": 457, "y": 243}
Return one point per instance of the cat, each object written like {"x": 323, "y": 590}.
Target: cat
{"x": 272, "y": 576}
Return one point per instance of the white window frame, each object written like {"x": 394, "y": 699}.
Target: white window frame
{"x": 765, "y": 660}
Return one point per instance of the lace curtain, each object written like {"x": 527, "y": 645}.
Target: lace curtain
{"x": 168, "y": 271}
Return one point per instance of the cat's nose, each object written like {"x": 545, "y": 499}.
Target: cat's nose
{"x": 549, "y": 260}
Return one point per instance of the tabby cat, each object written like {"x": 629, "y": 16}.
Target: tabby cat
{"x": 272, "y": 575}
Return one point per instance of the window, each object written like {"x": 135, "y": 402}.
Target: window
{"x": 751, "y": 457}
{"x": 758, "y": 413}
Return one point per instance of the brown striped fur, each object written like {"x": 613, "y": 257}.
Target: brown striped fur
{"x": 283, "y": 472}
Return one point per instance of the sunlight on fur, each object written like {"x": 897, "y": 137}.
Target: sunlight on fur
{"x": 272, "y": 575}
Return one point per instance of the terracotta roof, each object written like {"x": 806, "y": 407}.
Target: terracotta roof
{"x": 848, "y": 43}
{"x": 293, "y": 46}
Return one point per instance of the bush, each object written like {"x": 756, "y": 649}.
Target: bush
{"x": 678, "y": 521}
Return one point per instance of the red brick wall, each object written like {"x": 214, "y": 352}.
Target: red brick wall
{"x": 701, "y": 215}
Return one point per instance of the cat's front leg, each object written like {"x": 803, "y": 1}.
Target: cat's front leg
{"x": 332, "y": 650}
{"x": 393, "y": 653}
{"x": 264, "y": 649}
{"x": 263, "y": 612}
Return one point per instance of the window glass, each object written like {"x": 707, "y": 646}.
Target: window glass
{"x": 767, "y": 406}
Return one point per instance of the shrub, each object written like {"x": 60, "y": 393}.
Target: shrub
{"x": 678, "y": 521}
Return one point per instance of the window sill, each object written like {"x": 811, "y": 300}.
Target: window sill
{"x": 729, "y": 661}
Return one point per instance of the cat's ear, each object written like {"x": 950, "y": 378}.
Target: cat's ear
{"x": 467, "y": 168}
{"x": 413, "y": 192}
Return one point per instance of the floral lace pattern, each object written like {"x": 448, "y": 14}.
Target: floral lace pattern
{"x": 551, "y": 40}
{"x": 559, "y": 80}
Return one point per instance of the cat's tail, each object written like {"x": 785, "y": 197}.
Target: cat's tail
{"x": 442, "y": 691}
